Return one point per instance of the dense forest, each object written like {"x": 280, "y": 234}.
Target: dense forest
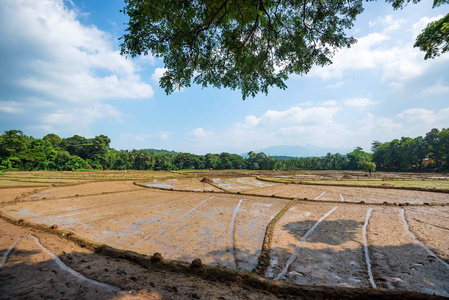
{"x": 21, "y": 152}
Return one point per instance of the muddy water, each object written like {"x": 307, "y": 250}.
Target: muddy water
{"x": 192, "y": 184}
{"x": 398, "y": 260}
{"x": 242, "y": 184}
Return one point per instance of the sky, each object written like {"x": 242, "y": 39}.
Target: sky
{"x": 61, "y": 72}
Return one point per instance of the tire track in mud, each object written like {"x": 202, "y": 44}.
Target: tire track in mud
{"x": 58, "y": 261}
{"x": 430, "y": 252}
{"x": 5, "y": 255}
{"x": 416, "y": 220}
{"x": 399, "y": 260}
{"x": 232, "y": 256}
{"x": 432, "y": 215}
{"x": 152, "y": 235}
{"x": 365, "y": 246}
{"x": 84, "y": 219}
{"x": 320, "y": 195}
{"x": 80, "y": 198}
{"x": 298, "y": 247}
{"x": 64, "y": 267}
{"x": 142, "y": 210}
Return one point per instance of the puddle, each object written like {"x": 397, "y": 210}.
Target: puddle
{"x": 161, "y": 185}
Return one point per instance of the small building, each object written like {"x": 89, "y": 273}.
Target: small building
{"x": 427, "y": 161}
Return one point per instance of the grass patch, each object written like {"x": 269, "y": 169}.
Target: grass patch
{"x": 14, "y": 183}
{"x": 379, "y": 182}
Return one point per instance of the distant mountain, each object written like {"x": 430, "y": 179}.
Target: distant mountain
{"x": 300, "y": 151}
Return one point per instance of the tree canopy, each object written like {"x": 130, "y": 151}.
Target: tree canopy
{"x": 25, "y": 153}
{"x": 250, "y": 45}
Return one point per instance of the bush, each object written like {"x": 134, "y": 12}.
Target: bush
{"x": 75, "y": 163}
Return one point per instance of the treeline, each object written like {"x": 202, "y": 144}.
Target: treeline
{"x": 21, "y": 152}
{"x": 431, "y": 151}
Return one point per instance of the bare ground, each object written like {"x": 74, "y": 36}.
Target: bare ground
{"x": 126, "y": 216}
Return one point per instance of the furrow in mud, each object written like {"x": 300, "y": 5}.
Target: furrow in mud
{"x": 168, "y": 224}
{"x": 430, "y": 252}
{"x": 398, "y": 260}
{"x": 232, "y": 256}
{"x": 333, "y": 253}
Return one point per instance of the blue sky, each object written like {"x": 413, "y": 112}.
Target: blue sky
{"x": 61, "y": 73}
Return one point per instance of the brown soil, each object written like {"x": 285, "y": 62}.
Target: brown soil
{"x": 219, "y": 229}
{"x": 398, "y": 261}
{"x": 334, "y": 254}
{"x": 428, "y": 223}
{"x": 207, "y": 180}
{"x": 354, "y": 194}
{"x": 13, "y": 194}
{"x": 85, "y": 189}
{"x": 180, "y": 226}
{"x": 30, "y": 272}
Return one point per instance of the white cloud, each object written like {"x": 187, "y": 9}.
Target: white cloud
{"x": 79, "y": 119}
{"x": 319, "y": 126}
{"x": 397, "y": 59}
{"x": 142, "y": 137}
{"x": 438, "y": 88}
{"x": 294, "y": 126}
{"x": 360, "y": 102}
{"x": 158, "y": 73}
{"x": 362, "y": 55}
{"x": 62, "y": 65}
{"x": 200, "y": 133}
{"x": 336, "y": 85}
{"x": 422, "y": 23}
{"x": 388, "y": 23}
{"x": 251, "y": 121}
{"x": 423, "y": 118}
{"x": 9, "y": 107}
{"x": 329, "y": 103}
{"x": 164, "y": 135}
